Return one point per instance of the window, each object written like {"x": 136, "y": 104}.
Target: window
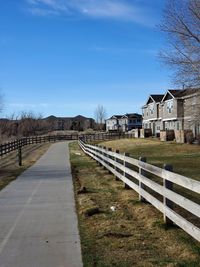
{"x": 194, "y": 100}
{"x": 170, "y": 106}
{"x": 151, "y": 107}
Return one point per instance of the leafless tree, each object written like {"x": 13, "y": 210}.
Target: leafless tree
{"x": 181, "y": 25}
{"x": 1, "y": 102}
{"x": 100, "y": 115}
{"x": 29, "y": 123}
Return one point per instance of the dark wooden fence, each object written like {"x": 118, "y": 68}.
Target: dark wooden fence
{"x": 19, "y": 143}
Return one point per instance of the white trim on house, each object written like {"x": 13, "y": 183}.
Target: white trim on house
{"x": 153, "y": 119}
{"x": 170, "y": 119}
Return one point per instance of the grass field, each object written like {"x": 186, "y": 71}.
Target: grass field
{"x": 185, "y": 158}
{"x": 9, "y": 168}
{"x": 131, "y": 235}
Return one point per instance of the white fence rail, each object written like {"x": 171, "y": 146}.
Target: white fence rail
{"x": 117, "y": 164}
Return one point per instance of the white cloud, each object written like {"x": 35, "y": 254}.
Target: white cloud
{"x": 109, "y": 9}
{"x": 42, "y": 12}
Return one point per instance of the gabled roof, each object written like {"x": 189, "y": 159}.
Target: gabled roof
{"x": 153, "y": 98}
{"x": 181, "y": 92}
{"x": 116, "y": 117}
{"x": 78, "y": 117}
{"x": 157, "y": 98}
{"x": 132, "y": 115}
{"x": 173, "y": 93}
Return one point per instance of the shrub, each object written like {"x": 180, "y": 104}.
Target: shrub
{"x": 198, "y": 139}
{"x": 170, "y": 135}
{"x": 189, "y": 137}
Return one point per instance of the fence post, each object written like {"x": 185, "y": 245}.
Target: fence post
{"x": 20, "y": 155}
{"x": 168, "y": 203}
{"x": 97, "y": 152}
{"x": 141, "y": 185}
{"x": 104, "y": 154}
{"x": 109, "y": 149}
{"x": 101, "y": 154}
{"x": 125, "y": 165}
{"x": 116, "y": 160}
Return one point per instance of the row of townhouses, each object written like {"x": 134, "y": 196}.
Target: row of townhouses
{"x": 124, "y": 123}
{"x": 174, "y": 110}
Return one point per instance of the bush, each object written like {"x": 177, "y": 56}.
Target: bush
{"x": 189, "y": 137}
{"x": 170, "y": 135}
{"x": 198, "y": 139}
{"x": 148, "y": 132}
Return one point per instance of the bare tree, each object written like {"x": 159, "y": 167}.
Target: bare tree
{"x": 1, "y": 102}
{"x": 29, "y": 123}
{"x": 181, "y": 25}
{"x": 100, "y": 115}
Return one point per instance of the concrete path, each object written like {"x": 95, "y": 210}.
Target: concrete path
{"x": 38, "y": 222}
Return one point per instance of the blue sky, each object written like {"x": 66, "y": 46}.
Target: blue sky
{"x": 65, "y": 57}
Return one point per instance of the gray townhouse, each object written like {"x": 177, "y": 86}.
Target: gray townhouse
{"x": 124, "y": 123}
{"x": 176, "y": 110}
{"x": 172, "y": 111}
{"x": 152, "y": 114}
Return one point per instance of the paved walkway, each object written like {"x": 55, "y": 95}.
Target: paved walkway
{"x": 38, "y": 223}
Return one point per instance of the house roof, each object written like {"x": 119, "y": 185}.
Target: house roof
{"x": 116, "y": 117}
{"x": 157, "y": 98}
{"x": 128, "y": 115}
{"x": 153, "y": 98}
{"x": 187, "y": 92}
{"x": 133, "y": 115}
{"x": 78, "y": 117}
{"x": 174, "y": 92}
{"x": 178, "y": 93}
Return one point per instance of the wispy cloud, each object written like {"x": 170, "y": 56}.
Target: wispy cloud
{"x": 107, "y": 9}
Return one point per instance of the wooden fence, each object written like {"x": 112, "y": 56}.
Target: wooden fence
{"x": 19, "y": 143}
{"x": 123, "y": 167}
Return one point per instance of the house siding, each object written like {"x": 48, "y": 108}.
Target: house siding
{"x": 177, "y": 111}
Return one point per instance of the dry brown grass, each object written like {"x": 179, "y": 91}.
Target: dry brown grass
{"x": 185, "y": 158}
{"x": 9, "y": 168}
{"x": 132, "y": 235}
